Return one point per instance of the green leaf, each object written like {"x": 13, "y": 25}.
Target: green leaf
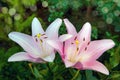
{"x": 36, "y": 73}
{"x": 89, "y": 75}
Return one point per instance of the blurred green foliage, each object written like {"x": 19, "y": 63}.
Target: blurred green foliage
{"x": 16, "y": 15}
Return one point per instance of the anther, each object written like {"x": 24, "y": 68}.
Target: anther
{"x": 42, "y": 34}
{"x": 41, "y": 40}
{"x": 83, "y": 39}
{"x": 88, "y": 43}
{"x": 45, "y": 37}
{"x": 75, "y": 38}
{"x": 36, "y": 39}
{"x": 72, "y": 43}
{"x": 85, "y": 48}
{"x": 38, "y": 35}
{"x": 77, "y": 48}
{"x": 76, "y": 42}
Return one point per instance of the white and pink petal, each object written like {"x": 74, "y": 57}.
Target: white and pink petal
{"x": 70, "y": 28}
{"x": 96, "y": 66}
{"x": 26, "y": 42}
{"x": 52, "y": 30}
{"x": 36, "y": 27}
{"x": 96, "y": 48}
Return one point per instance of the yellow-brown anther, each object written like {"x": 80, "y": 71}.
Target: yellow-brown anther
{"x": 38, "y": 35}
{"x": 76, "y": 42}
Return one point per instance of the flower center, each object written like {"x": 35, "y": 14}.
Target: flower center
{"x": 39, "y": 38}
{"x": 72, "y": 58}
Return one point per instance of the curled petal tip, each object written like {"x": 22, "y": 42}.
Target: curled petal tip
{"x": 35, "y": 19}
{"x": 87, "y": 24}
{"x": 112, "y": 43}
{"x": 65, "y": 19}
{"x": 10, "y": 35}
{"x": 107, "y": 73}
{"x": 9, "y": 60}
{"x": 59, "y": 20}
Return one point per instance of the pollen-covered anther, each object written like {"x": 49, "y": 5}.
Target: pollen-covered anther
{"x": 77, "y": 42}
{"x": 39, "y": 35}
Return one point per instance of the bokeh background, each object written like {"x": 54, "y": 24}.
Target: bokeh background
{"x": 17, "y": 15}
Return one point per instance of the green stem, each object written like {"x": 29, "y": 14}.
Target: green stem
{"x": 75, "y": 76}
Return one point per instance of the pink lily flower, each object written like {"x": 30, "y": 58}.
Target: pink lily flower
{"x": 80, "y": 52}
{"x": 35, "y": 46}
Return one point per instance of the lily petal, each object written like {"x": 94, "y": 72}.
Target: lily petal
{"x": 68, "y": 63}
{"x": 27, "y": 42}
{"x": 36, "y": 27}
{"x": 55, "y": 44}
{"x": 85, "y": 33}
{"x": 21, "y": 56}
{"x": 50, "y": 58}
{"x": 70, "y": 28}
{"x": 98, "y": 47}
{"x": 96, "y": 66}
{"x": 84, "y": 36}
{"x": 65, "y": 37}
{"x": 52, "y": 30}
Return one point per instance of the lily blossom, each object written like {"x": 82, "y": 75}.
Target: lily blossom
{"x": 35, "y": 46}
{"x": 80, "y": 52}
